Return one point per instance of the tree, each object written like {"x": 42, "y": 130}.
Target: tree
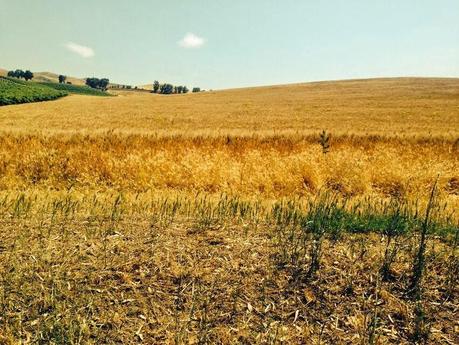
{"x": 97, "y": 83}
{"x": 62, "y": 79}
{"x": 155, "y": 86}
{"x": 175, "y": 89}
{"x": 19, "y": 73}
{"x": 179, "y": 89}
{"x": 185, "y": 89}
{"x": 196, "y": 89}
{"x": 92, "y": 82}
{"x": 103, "y": 83}
{"x": 166, "y": 89}
{"x": 10, "y": 74}
{"x": 28, "y": 75}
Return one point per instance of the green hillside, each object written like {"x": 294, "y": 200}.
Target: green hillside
{"x": 76, "y": 89}
{"x": 15, "y": 91}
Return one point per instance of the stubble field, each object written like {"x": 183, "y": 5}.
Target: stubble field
{"x": 217, "y": 218}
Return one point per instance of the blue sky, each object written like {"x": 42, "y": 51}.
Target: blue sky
{"x": 221, "y": 44}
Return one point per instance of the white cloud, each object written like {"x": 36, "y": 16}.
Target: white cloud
{"x": 83, "y": 51}
{"x": 191, "y": 40}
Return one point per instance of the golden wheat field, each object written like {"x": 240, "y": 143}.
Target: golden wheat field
{"x": 419, "y": 107}
{"x": 218, "y": 217}
{"x": 389, "y": 137}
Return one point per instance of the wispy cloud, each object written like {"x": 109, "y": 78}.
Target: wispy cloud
{"x": 191, "y": 40}
{"x": 83, "y": 51}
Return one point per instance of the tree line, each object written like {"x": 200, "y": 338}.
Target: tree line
{"x": 168, "y": 89}
{"x": 95, "y": 83}
{"x": 103, "y": 83}
{"x": 20, "y": 74}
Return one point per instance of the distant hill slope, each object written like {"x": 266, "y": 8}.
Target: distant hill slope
{"x": 54, "y": 78}
{"x": 13, "y": 91}
{"x": 48, "y": 77}
{"x": 146, "y": 87}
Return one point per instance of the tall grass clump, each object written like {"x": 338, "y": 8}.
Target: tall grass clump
{"x": 419, "y": 261}
{"x": 299, "y": 234}
{"x": 397, "y": 224}
{"x": 301, "y": 227}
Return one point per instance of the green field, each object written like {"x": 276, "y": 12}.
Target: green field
{"x": 76, "y": 89}
{"x": 14, "y": 91}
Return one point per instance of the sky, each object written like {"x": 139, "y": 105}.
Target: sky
{"x": 216, "y": 44}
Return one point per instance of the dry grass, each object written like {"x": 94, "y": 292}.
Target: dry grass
{"x": 54, "y": 78}
{"x": 117, "y": 227}
{"x": 100, "y": 268}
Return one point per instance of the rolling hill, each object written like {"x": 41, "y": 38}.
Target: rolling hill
{"x": 398, "y": 106}
{"x": 49, "y": 77}
{"x": 54, "y": 78}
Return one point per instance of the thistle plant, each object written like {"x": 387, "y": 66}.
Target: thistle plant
{"x": 325, "y": 142}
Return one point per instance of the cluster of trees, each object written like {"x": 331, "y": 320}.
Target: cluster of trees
{"x": 97, "y": 83}
{"x": 19, "y": 73}
{"x": 167, "y": 89}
